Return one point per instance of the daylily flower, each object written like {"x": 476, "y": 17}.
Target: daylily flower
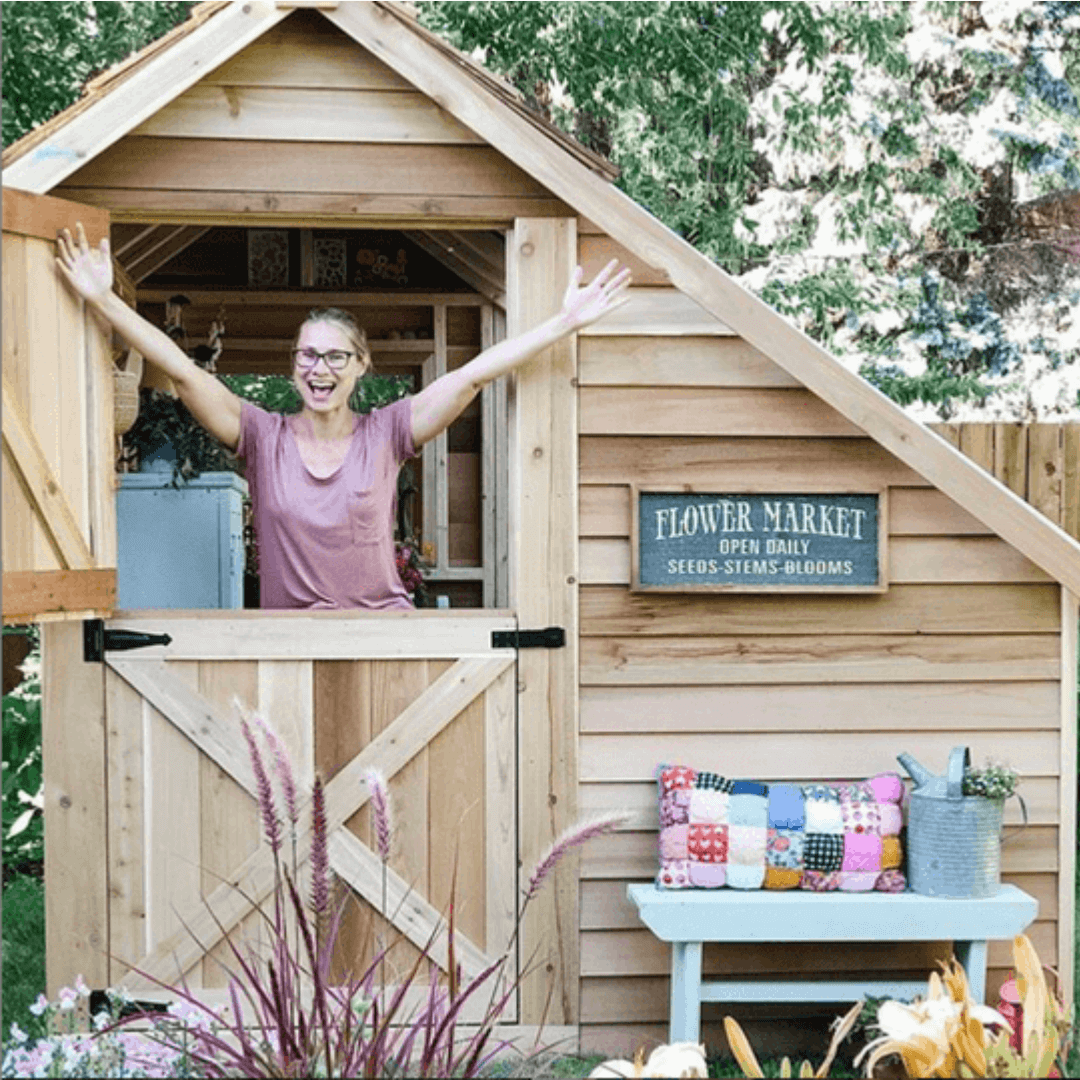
{"x": 934, "y": 1035}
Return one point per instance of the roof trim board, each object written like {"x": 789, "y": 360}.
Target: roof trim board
{"x": 42, "y": 161}
{"x": 481, "y": 102}
{"x": 392, "y": 36}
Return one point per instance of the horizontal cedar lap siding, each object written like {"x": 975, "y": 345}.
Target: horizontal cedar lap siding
{"x": 964, "y": 648}
{"x": 304, "y": 121}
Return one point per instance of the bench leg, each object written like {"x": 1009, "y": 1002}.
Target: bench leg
{"x": 685, "y": 992}
{"x": 972, "y": 955}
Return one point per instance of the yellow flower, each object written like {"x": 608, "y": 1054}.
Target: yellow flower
{"x": 937, "y": 1035}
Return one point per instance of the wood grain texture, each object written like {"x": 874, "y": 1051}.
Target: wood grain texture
{"x": 708, "y": 411}
{"x": 540, "y": 261}
{"x": 962, "y": 706}
{"x": 939, "y": 609}
{"x": 74, "y": 768}
{"x": 739, "y": 463}
{"x": 825, "y": 659}
{"x": 304, "y": 115}
{"x": 283, "y": 208}
{"x": 657, "y": 312}
{"x": 685, "y": 361}
{"x": 101, "y": 119}
{"x": 306, "y": 51}
{"x": 1070, "y": 693}
{"x": 245, "y": 165}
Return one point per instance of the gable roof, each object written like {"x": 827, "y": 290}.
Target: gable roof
{"x": 483, "y": 103}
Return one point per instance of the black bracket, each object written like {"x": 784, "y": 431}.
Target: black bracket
{"x": 96, "y": 640}
{"x": 554, "y": 637}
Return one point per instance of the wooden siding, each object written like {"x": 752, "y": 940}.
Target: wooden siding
{"x": 296, "y": 125}
{"x": 964, "y": 648}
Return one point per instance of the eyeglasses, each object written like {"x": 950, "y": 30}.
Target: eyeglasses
{"x": 336, "y": 359}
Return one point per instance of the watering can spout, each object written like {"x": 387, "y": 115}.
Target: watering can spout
{"x": 917, "y": 773}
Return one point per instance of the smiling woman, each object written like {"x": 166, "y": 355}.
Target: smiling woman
{"x": 324, "y": 481}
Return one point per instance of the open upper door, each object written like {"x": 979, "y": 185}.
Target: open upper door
{"x": 59, "y": 512}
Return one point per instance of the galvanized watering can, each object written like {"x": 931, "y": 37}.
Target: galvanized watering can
{"x": 953, "y": 840}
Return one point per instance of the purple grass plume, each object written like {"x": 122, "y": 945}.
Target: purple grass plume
{"x": 573, "y": 837}
{"x": 283, "y": 768}
{"x": 265, "y": 793}
{"x": 380, "y": 804}
{"x": 320, "y": 855}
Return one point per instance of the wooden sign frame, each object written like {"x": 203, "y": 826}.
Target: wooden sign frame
{"x": 796, "y": 490}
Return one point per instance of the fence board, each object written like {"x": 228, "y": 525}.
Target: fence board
{"x": 1039, "y": 462}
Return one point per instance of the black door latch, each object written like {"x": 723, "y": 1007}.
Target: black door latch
{"x": 554, "y": 637}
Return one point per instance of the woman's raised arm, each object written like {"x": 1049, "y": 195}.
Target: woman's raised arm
{"x": 437, "y": 406}
{"x": 89, "y": 272}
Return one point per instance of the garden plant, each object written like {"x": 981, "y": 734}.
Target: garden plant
{"x": 286, "y": 1016}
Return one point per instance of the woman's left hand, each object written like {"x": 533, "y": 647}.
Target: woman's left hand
{"x": 606, "y": 292}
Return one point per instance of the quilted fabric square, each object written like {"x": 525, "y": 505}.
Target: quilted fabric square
{"x": 862, "y": 853}
{"x": 787, "y": 808}
{"x": 675, "y": 807}
{"x": 675, "y": 843}
{"x": 708, "y": 843}
{"x": 741, "y": 834}
{"x": 709, "y": 806}
{"x": 784, "y": 850}
{"x": 712, "y": 782}
{"x": 747, "y": 845}
{"x": 749, "y": 809}
{"x": 860, "y": 815}
{"x": 823, "y": 851}
{"x": 677, "y": 777}
{"x": 824, "y": 816}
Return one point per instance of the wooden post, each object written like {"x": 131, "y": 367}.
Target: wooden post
{"x": 544, "y": 519}
{"x": 76, "y": 859}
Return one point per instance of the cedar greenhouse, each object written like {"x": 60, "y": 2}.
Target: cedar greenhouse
{"x": 265, "y": 158}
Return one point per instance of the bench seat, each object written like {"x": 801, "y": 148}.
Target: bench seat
{"x": 689, "y": 917}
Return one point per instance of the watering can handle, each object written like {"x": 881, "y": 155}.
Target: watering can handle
{"x": 959, "y": 759}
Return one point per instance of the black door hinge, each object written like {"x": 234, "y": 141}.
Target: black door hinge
{"x": 96, "y": 640}
{"x": 554, "y": 637}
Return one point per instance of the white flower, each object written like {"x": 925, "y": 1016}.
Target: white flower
{"x": 17, "y": 1034}
{"x": 40, "y": 1005}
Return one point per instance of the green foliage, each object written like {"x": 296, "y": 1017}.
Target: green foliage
{"x": 995, "y": 781}
{"x": 51, "y": 49}
{"x": 831, "y": 154}
{"x": 22, "y": 784}
{"x": 164, "y": 419}
{"x": 24, "y": 952}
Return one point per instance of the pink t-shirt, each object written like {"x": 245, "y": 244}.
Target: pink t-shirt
{"x": 327, "y": 543}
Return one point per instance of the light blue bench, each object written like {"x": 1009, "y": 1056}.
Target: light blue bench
{"x": 689, "y": 917}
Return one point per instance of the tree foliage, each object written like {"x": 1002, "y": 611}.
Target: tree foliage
{"x": 900, "y": 180}
{"x": 870, "y": 169}
{"x": 51, "y": 49}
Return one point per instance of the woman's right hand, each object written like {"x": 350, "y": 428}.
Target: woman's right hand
{"x": 88, "y": 270}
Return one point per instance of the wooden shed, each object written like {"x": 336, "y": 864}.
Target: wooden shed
{"x": 323, "y": 138}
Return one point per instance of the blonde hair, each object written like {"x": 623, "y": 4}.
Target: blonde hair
{"x": 344, "y": 322}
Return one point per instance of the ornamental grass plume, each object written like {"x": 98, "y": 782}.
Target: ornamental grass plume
{"x": 286, "y": 1017}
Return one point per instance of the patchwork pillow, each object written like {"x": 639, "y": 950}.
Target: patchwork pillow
{"x": 737, "y": 833}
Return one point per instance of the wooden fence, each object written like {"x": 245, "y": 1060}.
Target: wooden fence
{"x": 1040, "y": 462}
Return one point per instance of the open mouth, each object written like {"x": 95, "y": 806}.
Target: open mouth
{"x": 321, "y": 391}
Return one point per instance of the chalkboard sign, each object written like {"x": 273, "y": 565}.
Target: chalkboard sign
{"x": 688, "y": 541}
